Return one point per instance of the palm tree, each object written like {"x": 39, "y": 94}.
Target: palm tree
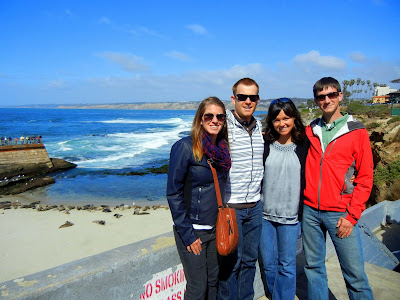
{"x": 358, "y": 83}
{"x": 375, "y": 84}
{"x": 352, "y": 81}
{"x": 346, "y": 93}
{"x": 369, "y": 86}
{"x": 362, "y": 85}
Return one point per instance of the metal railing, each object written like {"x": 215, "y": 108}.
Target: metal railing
{"x": 23, "y": 140}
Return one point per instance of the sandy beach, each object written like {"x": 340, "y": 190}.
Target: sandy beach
{"x": 32, "y": 240}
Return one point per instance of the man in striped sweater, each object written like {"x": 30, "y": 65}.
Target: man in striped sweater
{"x": 243, "y": 191}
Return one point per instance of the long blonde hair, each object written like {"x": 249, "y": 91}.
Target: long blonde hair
{"x": 197, "y": 128}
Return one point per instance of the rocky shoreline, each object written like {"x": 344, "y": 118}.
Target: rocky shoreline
{"x": 16, "y": 179}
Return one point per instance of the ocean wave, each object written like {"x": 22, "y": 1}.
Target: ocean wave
{"x": 132, "y": 121}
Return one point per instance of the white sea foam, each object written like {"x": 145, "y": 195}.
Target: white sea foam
{"x": 132, "y": 121}
{"x": 130, "y": 145}
{"x": 122, "y": 149}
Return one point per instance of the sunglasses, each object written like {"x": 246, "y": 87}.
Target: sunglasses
{"x": 243, "y": 97}
{"x": 330, "y": 96}
{"x": 210, "y": 117}
{"x": 282, "y": 100}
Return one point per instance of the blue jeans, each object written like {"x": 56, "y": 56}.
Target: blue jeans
{"x": 201, "y": 271}
{"x": 278, "y": 259}
{"x": 237, "y": 269}
{"x": 349, "y": 251}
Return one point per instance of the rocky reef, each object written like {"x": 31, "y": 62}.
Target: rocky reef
{"x": 18, "y": 178}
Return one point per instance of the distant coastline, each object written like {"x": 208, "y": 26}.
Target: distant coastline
{"x": 189, "y": 105}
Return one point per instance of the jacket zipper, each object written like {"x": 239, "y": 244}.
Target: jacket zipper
{"x": 320, "y": 179}
{"x": 198, "y": 204}
{"x": 320, "y": 171}
{"x": 252, "y": 164}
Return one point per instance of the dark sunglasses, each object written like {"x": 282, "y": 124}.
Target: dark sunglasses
{"x": 282, "y": 100}
{"x": 210, "y": 117}
{"x": 331, "y": 96}
{"x": 243, "y": 97}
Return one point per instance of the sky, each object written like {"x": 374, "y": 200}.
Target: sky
{"x": 94, "y": 52}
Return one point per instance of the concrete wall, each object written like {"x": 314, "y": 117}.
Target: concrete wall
{"x": 29, "y": 154}
{"x": 151, "y": 269}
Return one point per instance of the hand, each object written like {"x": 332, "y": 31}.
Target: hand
{"x": 345, "y": 228}
{"x": 195, "y": 247}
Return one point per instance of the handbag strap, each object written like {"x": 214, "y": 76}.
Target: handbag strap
{"x": 217, "y": 190}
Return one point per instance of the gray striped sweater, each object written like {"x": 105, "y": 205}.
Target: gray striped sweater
{"x": 246, "y": 173}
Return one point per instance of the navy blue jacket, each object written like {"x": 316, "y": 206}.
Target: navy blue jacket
{"x": 191, "y": 191}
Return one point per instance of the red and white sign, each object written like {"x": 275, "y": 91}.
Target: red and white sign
{"x": 166, "y": 285}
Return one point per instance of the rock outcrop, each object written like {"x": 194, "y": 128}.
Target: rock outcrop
{"x": 18, "y": 178}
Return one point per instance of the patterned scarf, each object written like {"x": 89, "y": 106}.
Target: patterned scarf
{"x": 219, "y": 153}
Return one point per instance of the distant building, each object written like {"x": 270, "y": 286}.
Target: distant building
{"x": 380, "y": 99}
{"x": 383, "y": 90}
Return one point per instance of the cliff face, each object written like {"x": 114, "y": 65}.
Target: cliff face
{"x": 15, "y": 158}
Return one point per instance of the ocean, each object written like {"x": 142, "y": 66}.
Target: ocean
{"x": 104, "y": 144}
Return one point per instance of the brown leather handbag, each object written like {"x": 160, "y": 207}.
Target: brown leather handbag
{"x": 227, "y": 234}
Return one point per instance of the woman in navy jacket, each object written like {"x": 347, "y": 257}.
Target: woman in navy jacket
{"x": 192, "y": 198}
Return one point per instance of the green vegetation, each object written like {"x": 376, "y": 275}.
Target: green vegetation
{"x": 372, "y": 125}
{"x": 387, "y": 174}
{"x": 161, "y": 170}
{"x": 396, "y": 138}
{"x": 357, "y": 108}
{"x": 358, "y": 89}
{"x": 393, "y": 120}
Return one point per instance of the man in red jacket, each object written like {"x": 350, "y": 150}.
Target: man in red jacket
{"x": 333, "y": 202}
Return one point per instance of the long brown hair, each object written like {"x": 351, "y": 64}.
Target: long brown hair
{"x": 197, "y": 128}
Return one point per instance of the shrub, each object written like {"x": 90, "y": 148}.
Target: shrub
{"x": 396, "y": 138}
{"x": 387, "y": 174}
{"x": 393, "y": 193}
{"x": 393, "y": 120}
{"x": 372, "y": 125}
{"x": 357, "y": 108}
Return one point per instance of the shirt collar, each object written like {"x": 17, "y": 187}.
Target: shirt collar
{"x": 245, "y": 124}
{"x": 340, "y": 121}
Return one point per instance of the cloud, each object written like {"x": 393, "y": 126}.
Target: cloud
{"x": 147, "y": 31}
{"x": 285, "y": 79}
{"x": 58, "y": 84}
{"x": 357, "y": 57}
{"x": 313, "y": 59}
{"x": 128, "y": 62}
{"x": 105, "y": 20}
{"x": 138, "y": 30}
{"x": 177, "y": 55}
{"x": 198, "y": 29}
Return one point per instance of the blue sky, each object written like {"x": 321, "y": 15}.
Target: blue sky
{"x": 68, "y": 52}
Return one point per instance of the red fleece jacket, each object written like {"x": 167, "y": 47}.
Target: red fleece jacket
{"x": 328, "y": 172}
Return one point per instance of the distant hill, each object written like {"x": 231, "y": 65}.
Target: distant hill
{"x": 192, "y": 105}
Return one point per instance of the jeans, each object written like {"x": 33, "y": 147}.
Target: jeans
{"x": 349, "y": 251}
{"x": 201, "y": 271}
{"x": 237, "y": 269}
{"x": 278, "y": 259}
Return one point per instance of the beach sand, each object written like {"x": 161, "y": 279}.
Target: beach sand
{"x": 31, "y": 240}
